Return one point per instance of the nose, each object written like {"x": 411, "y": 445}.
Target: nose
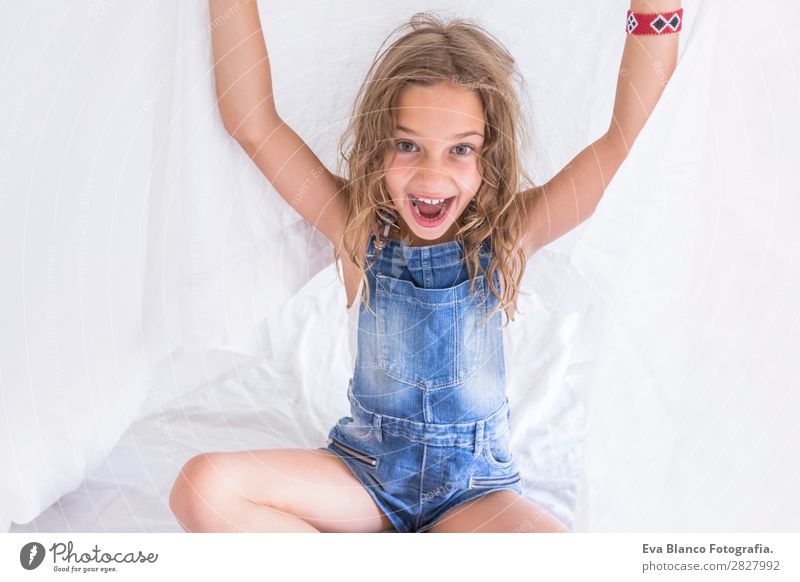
{"x": 430, "y": 174}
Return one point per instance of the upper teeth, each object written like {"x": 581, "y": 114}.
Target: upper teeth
{"x": 429, "y": 200}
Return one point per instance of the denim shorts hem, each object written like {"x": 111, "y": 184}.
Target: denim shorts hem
{"x": 398, "y": 525}
{"x": 471, "y": 495}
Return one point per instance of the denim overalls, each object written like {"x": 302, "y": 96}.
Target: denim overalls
{"x": 430, "y": 422}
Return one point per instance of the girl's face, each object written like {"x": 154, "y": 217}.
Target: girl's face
{"x": 436, "y": 157}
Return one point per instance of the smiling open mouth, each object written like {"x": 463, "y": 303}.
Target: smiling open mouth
{"x": 430, "y": 212}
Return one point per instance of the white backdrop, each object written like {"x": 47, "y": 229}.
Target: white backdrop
{"x": 143, "y": 255}
{"x": 693, "y": 408}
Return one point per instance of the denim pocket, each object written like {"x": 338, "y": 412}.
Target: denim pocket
{"x": 431, "y": 338}
{"x": 355, "y": 429}
{"x": 497, "y": 452}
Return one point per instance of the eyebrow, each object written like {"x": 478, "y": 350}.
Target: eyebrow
{"x": 457, "y": 136}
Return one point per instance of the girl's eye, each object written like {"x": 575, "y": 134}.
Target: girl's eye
{"x": 464, "y": 153}
{"x": 400, "y": 145}
{"x": 461, "y": 150}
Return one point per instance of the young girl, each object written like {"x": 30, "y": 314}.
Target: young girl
{"x": 433, "y": 225}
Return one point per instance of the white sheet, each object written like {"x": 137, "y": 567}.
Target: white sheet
{"x": 667, "y": 319}
{"x": 693, "y": 254}
{"x": 292, "y": 401}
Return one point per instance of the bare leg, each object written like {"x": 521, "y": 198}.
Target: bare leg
{"x": 242, "y": 515}
{"x": 499, "y": 511}
{"x": 273, "y": 490}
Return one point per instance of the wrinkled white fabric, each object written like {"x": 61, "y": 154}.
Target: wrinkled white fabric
{"x": 160, "y": 299}
{"x": 692, "y": 254}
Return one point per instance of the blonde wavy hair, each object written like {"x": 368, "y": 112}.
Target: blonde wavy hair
{"x": 462, "y": 53}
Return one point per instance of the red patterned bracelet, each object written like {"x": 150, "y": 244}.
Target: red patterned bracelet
{"x": 658, "y": 23}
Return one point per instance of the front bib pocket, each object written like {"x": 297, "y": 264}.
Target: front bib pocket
{"x": 431, "y": 338}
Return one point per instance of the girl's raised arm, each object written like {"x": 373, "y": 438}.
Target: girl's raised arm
{"x": 647, "y": 65}
{"x": 572, "y": 195}
{"x": 244, "y": 92}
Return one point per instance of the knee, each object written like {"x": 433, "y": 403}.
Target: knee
{"x": 194, "y": 495}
